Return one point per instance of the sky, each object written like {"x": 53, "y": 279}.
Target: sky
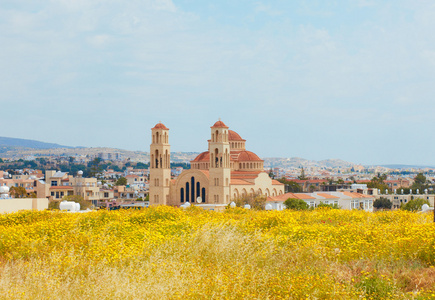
{"x": 353, "y": 80}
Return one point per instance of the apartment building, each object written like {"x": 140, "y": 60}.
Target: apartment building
{"x": 345, "y": 200}
{"x": 62, "y": 184}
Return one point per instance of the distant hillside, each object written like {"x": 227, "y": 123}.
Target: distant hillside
{"x": 297, "y": 162}
{"x": 6, "y": 142}
{"x": 398, "y": 166}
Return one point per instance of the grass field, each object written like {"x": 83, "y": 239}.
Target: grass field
{"x": 168, "y": 253}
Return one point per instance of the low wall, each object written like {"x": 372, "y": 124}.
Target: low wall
{"x": 13, "y": 205}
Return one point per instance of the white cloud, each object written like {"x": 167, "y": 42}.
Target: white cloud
{"x": 150, "y": 60}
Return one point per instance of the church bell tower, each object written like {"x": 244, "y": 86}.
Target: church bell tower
{"x": 160, "y": 167}
{"x": 220, "y": 168}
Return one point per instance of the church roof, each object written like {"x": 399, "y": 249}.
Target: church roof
{"x": 235, "y": 181}
{"x": 234, "y": 136}
{"x": 220, "y": 124}
{"x": 204, "y": 156}
{"x": 248, "y": 156}
{"x": 234, "y": 156}
{"x": 160, "y": 126}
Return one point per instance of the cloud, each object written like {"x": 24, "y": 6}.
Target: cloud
{"x": 308, "y": 65}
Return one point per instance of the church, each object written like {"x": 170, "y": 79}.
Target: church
{"x": 225, "y": 172}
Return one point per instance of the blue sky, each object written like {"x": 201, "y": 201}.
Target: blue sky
{"x": 314, "y": 79}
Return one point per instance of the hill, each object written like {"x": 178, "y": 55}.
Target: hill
{"x": 24, "y": 143}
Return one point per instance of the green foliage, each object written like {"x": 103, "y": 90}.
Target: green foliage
{"x": 256, "y": 201}
{"x": 95, "y": 166}
{"x": 78, "y": 199}
{"x": 302, "y": 176}
{"x": 296, "y": 204}
{"x": 382, "y": 203}
{"x": 1, "y": 160}
{"x": 183, "y": 165}
{"x": 377, "y": 182}
{"x": 420, "y": 182}
{"x": 141, "y": 165}
{"x": 331, "y": 206}
{"x": 18, "y": 192}
{"x": 53, "y": 204}
{"x": 291, "y": 186}
{"x": 121, "y": 181}
{"x": 375, "y": 287}
{"x": 415, "y": 204}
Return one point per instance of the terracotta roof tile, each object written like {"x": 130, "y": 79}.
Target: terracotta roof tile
{"x": 160, "y": 126}
{"x": 219, "y": 124}
{"x": 327, "y": 196}
{"x": 303, "y": 196}
{"x": 62, "y": 187}
{"x": 234, "y": 136}
{"x": 240, "y": 182}
{"x": 276, "y": 182}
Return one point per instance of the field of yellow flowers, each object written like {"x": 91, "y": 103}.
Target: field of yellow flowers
{"x": 170, "y": 253}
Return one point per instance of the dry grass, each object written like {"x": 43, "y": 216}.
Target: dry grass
{"x": 216, "y": 256}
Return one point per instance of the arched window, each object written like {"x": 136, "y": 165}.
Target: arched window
{"x": 182, "y": 194}
{"x": 157, "y": 137}
{"x": 157, "y": 159}
{"x": 187, "y": 192}
{"x": 216, "y": 152}
{"x": 198, "y": 189}
{"x": 192, "y": 195}
{"x": 203, "y": 195}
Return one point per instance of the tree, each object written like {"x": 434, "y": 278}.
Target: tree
{"x": 415, "y": 204}
{"x": 420, "y": 183}
{"x": 271, "y": 175}
{"x": 256, "y": 201}
{"x": 18, "y": 192}
{"x": 121, "y": 181}
{"x": 290, "y": 186}
{"x": 377, "y": 182}
{"x": 78, "y": 199}
{"x": 296, "y": 204}
{"x": 382, "y": 203}
{"x": 95, "y": 166}
{"x": 331, "y": 206}
{"x": 302, "y": 176}
{"x": 1, "y": 160}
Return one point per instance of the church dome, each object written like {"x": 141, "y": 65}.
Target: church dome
{"x": 219, "y": 124}
{"x": 248, "y": 156}
{"x": 204, "y": 156}
{"x": 160, "y": 126}
{"x": 234, "y": 136}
